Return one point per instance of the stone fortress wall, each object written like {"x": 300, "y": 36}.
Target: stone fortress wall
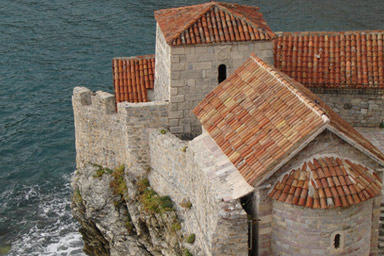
{"x": 132, "y": 136}
{"x": 111, "y": 137}
{"x": 179, "y": 169}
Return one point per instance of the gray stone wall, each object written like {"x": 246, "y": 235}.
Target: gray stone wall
{"x": 162, "y": 67}
{"x": 303, "y": 231}
{"x": 177, "y": 169}
{"x": 194, "y": 73}
{"x": 375, "y": 225}
{"x": 329, "y": 143}
{"x": 326, "y": 143}
{"x": 110, "y": 138}
{"x": 97, "y": 129}
{"x": 359, "y": 107}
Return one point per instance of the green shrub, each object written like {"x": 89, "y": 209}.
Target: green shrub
{"x": 163, "y": 131}
{"x": 142, "y": 185}
{"x": 166, "y": 202}
{"x": 128, "y": 223}
{"x": 77, "y": 196}
{"x": 118, "y": 185}
{"x": 190, "y": 239}
{"x": 152, "y": 202}
{"x": 381, "y": 125}
{"x": 101, "y": 171}
{"x": 176, "y": 225}
{"x": 187, "y": 252}
{"x": 184, "y": 149}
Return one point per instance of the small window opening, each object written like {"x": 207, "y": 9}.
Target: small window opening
{"x": 336, "y": 241}
{"x": 222, "y": 73}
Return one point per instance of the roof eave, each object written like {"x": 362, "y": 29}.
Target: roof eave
{"x": 355, "y": 144}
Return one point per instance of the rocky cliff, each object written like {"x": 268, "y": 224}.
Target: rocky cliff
{"x": 123, "y": 215}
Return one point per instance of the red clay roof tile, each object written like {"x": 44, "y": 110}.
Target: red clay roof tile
{"x": 275, "y": 100}
{"x": 212, "y": 22}
{"x": 351, "y": 59}
{"x": 333, "y": 194}
{"x": 271, "y": 138}
{"x": 132, "y": 77}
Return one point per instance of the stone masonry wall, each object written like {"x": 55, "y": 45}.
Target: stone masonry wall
{"x": 110, "y": 138}
{"x": 162, "y": 67}
{"x": 326, "y": 143}
{"x": 97, "y": 127}
{"x": 194, "y": 73}
{"x": 303, "y": 231}
{"x": 176, "y": 170}
{"x": 359, "y": 107}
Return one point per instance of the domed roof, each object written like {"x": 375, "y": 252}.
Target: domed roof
{"x": 327, "y": 182}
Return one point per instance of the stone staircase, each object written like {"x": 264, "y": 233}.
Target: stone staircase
{"x": 381, "y": 230}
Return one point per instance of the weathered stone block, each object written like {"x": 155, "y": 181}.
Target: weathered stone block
{"x": 176, "y": 130}
{"x": 82, "y": 95}
{"x": 173, "y": 91}
{"x": 202, "y": 65}
{"x": 178, "y": 50}
{"x": 176, "y": 114}
{"x": 177, "y": 98}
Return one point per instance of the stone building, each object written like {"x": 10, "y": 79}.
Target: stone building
{"x": 196, "y": 48}
{"x": 271, "y": 169}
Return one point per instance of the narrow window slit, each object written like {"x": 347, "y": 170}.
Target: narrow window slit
{"x": 222, "y": 73}
{"x": 336, "y": 241}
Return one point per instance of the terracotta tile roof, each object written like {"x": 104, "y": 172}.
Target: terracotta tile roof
{"x": 132, "y": 77}
{"x": 352, "y": 59}
{"x": 212, "y": 22}
{"x": 257, "y": 118}
{"x": 327, "y": 183}
{"x": 260, "y": 118}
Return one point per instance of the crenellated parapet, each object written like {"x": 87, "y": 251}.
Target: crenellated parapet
{"x": 112, "y": 135}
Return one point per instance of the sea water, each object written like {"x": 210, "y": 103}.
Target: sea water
{"x": 47, "y": 47}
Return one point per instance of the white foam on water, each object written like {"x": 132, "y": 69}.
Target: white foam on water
{"x": 55, "y": 232}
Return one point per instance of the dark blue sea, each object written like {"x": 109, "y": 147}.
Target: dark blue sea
{"x": 47, "y": 47}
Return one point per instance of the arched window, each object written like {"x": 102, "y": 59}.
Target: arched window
{"x": 222, "y": 73}
{"x": 336, "y": 241}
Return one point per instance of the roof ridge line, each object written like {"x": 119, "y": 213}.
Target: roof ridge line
{"x": 354, "y": 143}
{"x": 209, "y": 6}
{"x": 279, "y": 33}
{"x": 323, "y": 115}
{"x": 246, "y": 19}
{"x": 237, "y": 16}
{"x": 147, "y": 56}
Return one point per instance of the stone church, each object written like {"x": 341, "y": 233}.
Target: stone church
{"x": 262, "y": 137}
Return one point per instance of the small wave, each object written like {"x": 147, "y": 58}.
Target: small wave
{"x": 31, "y": 192}
{"x": 49, "y": 242}
{"x": 54, "y": 231}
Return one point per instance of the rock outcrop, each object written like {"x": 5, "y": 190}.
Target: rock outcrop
{"x": 116, "y": 224}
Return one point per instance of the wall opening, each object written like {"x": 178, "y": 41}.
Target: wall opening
{"x": 222, "y": 73}
{"x": 247, "y": 204}
{"x": 336, "y": 241}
